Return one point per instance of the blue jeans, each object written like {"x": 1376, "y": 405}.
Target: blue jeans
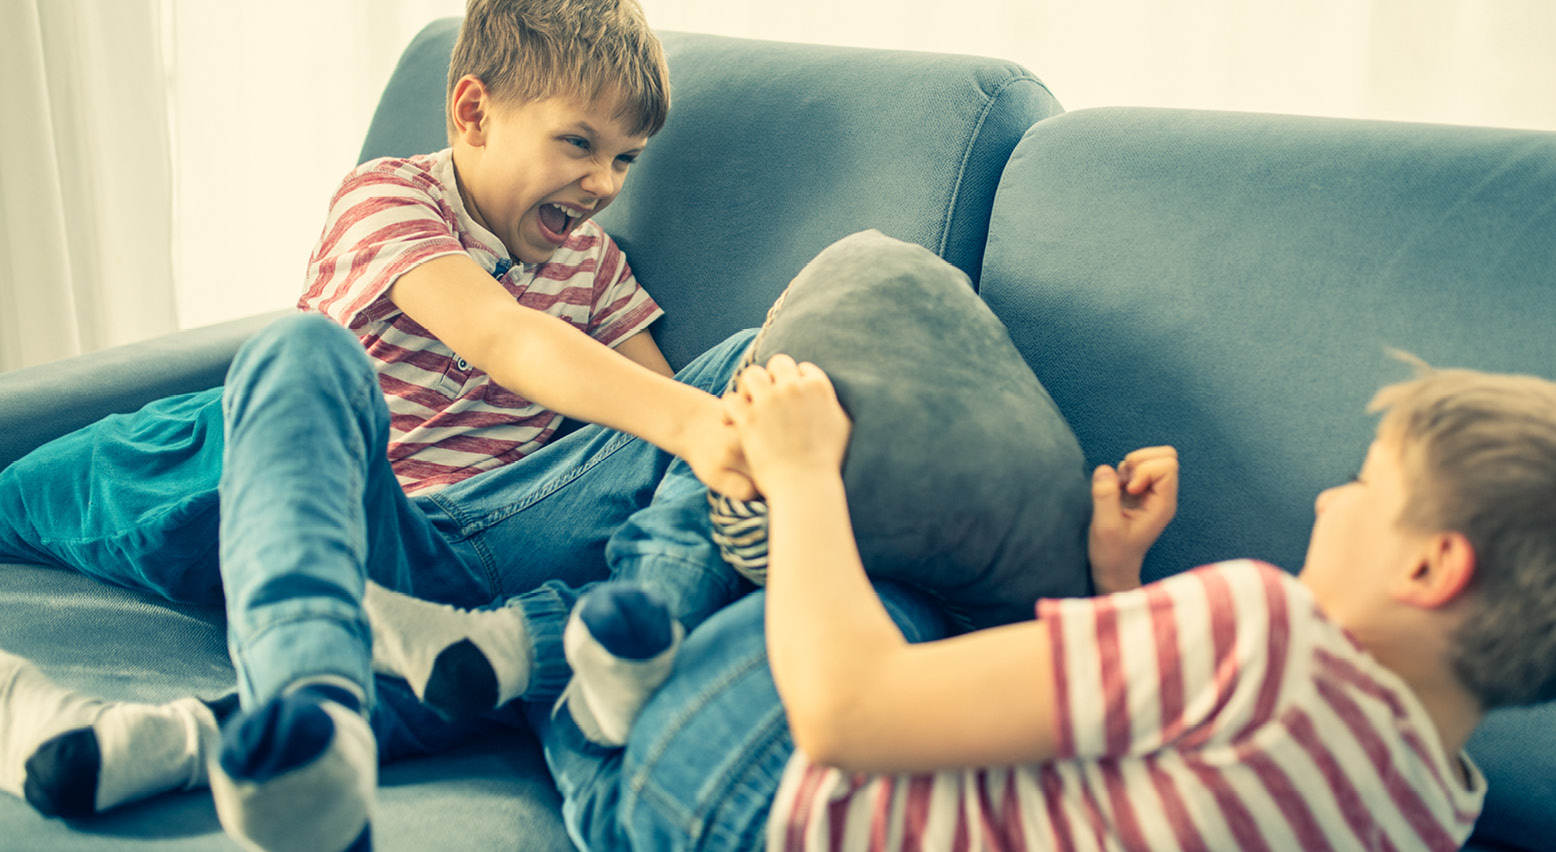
{"x": 704, "y": 759}
{"x": 275, "y": 494}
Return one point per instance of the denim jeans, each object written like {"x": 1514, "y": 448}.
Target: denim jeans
{"x": 275, "y": 493}
{"x": 704, "y": 759}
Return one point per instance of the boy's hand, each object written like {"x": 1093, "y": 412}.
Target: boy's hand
{"x": 789, "y": 420}
{"x": 1130, "y": 508}
{"x": 716, "y": 455}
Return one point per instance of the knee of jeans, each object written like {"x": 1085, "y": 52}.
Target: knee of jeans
{"x": 304, "y": 354}
{"x": 312, "y": 339}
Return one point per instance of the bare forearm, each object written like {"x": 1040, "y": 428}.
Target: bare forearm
{"x": 827, "y": 632}
{"x": 555, "y": 365}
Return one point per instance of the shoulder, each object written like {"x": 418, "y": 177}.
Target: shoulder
{"x": 421, "y": 174}
{"x": 1231, "y": 591}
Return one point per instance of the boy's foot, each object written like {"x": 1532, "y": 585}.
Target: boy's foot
{"x": 299, "y": 772}
{"x": 459, "y": 662}
{"x": 70, "y": 755}
{"x": 621, "y": 642}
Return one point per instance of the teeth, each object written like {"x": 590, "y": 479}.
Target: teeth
{"x": 569, "y": 212}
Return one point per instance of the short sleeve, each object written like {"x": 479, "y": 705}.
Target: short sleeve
{"x": 384, "y": 220}
{"x": 1199, "y": 658}
{"x": 620, "y": 306}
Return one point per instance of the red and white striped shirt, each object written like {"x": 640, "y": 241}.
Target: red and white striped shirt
{"x": 1214, "y": 710}
{"x": 450, "y": 421}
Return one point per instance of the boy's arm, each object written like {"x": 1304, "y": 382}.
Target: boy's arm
{"x": 553, "y": 364}
{"x": 858, "y": 695}
{"x": 642, "y": 349}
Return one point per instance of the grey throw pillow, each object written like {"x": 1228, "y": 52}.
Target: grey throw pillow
{"x": 963, "y": 478}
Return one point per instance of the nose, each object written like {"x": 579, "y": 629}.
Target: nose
{"x": 601, "y": 181}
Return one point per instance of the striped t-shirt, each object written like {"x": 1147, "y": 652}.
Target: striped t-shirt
{"x": 1214, "y": 710}
{"x": 450, "y": 421}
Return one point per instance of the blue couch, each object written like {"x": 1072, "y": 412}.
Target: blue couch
{"x": 1227, "y": 283}
{"x": 772, "y": 152}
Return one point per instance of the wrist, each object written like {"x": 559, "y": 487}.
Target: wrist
{"x": 683, "y": 408}
{"x": 793, "y": 481}
{"x": 1118, "y": 575}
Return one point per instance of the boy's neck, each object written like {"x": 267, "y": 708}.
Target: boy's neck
{"x": 1454, "y": 711}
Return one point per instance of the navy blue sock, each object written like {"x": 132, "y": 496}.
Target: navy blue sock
{"x": 299, "y": 772}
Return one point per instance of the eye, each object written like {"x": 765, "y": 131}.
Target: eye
{"x": 627, "y": 159}
{"x": 577, "y": 142}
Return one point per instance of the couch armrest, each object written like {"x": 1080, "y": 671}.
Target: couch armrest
{"x": 38, "y": 404}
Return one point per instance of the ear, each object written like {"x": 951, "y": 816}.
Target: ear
{"x": 1444, "y": 571}
{"x": 470, "y": 105}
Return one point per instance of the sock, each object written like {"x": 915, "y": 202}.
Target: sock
{"x": 621, "y": 642}
{"x": 299, "y": 772}
{"x": 459, "y": 662}
{"x": 71, "y": 755}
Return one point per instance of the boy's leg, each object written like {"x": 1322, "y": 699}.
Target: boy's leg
{"x": 704, "y": 759}
{"x": 71, "y": 755}
{"x": 310, "y": 506}
{"x": 555, "y": 516}
{"x": 130, "y": 500}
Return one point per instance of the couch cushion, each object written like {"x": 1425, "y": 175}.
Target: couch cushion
{"x": 1229, "y": 283}
{"x": 963, "y": 479}
{"x": 1516, "y": 749}
{"x": 772, "y": 152}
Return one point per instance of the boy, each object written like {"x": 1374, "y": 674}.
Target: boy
{"x": 296, "y": 474}
{"x": 1229, "y": 707}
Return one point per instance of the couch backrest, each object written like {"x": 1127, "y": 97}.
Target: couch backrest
{"x": 773, "y": 151}
{"x": 1229, "y": 283}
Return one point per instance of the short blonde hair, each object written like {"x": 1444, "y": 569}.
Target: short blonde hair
{"x": 1479, "y": 454}
{"x": 529, "y": 50}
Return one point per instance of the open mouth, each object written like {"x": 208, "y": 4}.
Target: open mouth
{"x": 558, "y": 221}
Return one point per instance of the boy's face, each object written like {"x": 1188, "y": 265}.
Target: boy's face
{"x": 1358, "y": 544}
{"x": 531, "y": 173}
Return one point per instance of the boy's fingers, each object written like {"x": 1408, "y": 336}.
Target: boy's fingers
{"x": 736, "y": 409}
{"x": 1105, "y": 499}
{"x": 1162, "y": 451}
{"x": 810, "y": 372}
{"x": 782, "y": 367}
{"x": 756, "y": 383}
{"x": 1147, "y": 474}
{"x": 1145, "y": 454}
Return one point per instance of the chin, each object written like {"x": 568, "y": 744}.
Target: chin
{"x": 532, "y": 255}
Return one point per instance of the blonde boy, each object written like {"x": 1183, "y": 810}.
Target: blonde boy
{"x": 1229, "y": 707}
{"x": 476, "y": 277}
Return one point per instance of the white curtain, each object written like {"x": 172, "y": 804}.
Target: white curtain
{"x": 271, "y": 102}
{"x": 85, "y": 222}
{"x": 166, "y": 163}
